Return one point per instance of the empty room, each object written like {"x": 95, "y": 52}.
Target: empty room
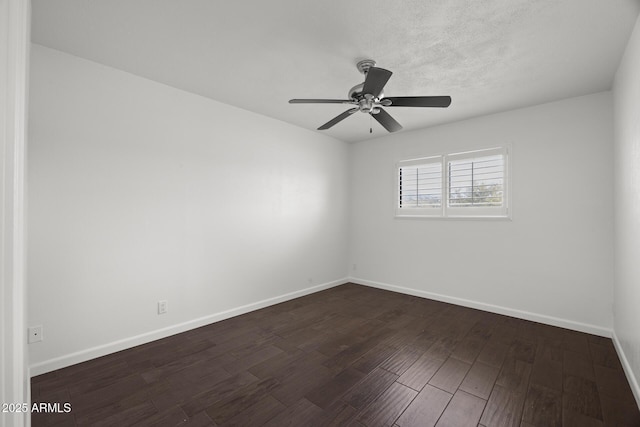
{"x": 320, "y": 213}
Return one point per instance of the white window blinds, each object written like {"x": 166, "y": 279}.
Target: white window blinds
{"x": 478, "y": 181}
{"x": 470, "y": 184}
{"x": 420, "y": 185}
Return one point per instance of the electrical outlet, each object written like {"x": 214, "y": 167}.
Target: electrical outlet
{"x": 354, "y": 267}
{"x": 162, "y": 307}
{"x": 310, "y": 280}
{"x": 35, "y": 334}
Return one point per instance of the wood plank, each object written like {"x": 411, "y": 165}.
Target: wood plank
{"x": 504, "y": 408}
{"x": 335, "y": 345}
{"x": 201, "y": 419}
{"x": 450, "y": 375}
{"x": 200, "y": 378}
{"x": 482, "y": 329}
{"x": 301, "y": 382}
{"x": 443, "y": 347}
{"x": 89, "y": 380}
{"x": 424, "y": 340}
{"x": 203, "y": 400}
{"x": 464, "y": 410}
{"x": 604, "y": 355}
{"x": 480, "y": 380}
{"x": 426, "y": 408}
{"x": 514, "y": 375}
{"x": 468, "y": 349}
{"x": 168, "y": 417}
{"x": 574, "y": 419}
{"x": 278, "y": 363}
{"x": 367, "y": 390}
{"x": 257, "y": 414}
{"x": 575, "y": 341}
{"x": 388, "y": 406}
{"x": 374, "y": 358}
{"x": 547, "y": 373}
{"x": 339, "y": 414}
{"x": 352, "y": 353}
{"x": 239, "y": 400}
{"x": 400, "y": 361}
{"x": 613, "y": 383}
{"x": 292, "y": 364}
{"x": 154, "y": 373}
{"x": 131, "y": 390}
{"x": 309, "y": 339}
{"x": 549, "y": 353}
{"x": 255, "y": 357}
{"x": 493, "y": 354}
{"x": 578, "y": 365}
{"x": 581, "y": 396}
{"x": 522, "y": 350}
{"x": 543, "y": 406}
{"x": 327, "y": 393}
{"x": 619, "y": 413}
{"x": 303, "y": 413}
{"x": 421, "y": 372}
{"x": 131, "y": 416}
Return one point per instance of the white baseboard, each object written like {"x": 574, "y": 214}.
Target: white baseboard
{"x": 540, "y": 318}
{"x": 633, "y": 382}
{"x": 123, "y": 344}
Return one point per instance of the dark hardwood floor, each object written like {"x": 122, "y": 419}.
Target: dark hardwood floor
{"x": 355, "y": 356}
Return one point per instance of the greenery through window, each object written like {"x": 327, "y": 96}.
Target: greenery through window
{"x": 477, "y": 182}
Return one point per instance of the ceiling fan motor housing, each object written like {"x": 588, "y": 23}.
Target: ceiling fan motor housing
{"x": 367, "y": 103}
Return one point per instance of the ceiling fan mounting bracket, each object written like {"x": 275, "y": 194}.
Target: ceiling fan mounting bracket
{"x": 356, "y": 92}
{"x": 365, "y": 65}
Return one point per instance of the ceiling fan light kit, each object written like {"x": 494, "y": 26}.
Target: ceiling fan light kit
{"x": 368, "y": 98}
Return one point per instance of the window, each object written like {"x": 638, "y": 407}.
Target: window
{"x": 420, "y": 186}
{"x": 471, "y": 184}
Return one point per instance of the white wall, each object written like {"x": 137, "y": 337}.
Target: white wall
{"x": 626, "y": 323}
{"x": 552, "y": 263}
{"x": 139, "y": 192}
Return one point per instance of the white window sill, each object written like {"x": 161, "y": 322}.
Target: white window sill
{"x": 457, "y": 218}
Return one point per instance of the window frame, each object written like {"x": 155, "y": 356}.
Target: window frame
{"x": 426, "y": 211}
{"x": 503, "y": 212}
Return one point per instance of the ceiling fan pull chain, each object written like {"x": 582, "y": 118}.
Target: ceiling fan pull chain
{"x": 370, "y": 125}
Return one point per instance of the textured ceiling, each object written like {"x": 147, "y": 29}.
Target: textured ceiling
{"x": 489, "y": 56}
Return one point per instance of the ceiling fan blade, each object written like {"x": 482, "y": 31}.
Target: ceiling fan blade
{"x": 418, "y": 101}
{"x": 320, "y": 101}
{"x": 388, "y": 122}
{"x": 375, "y": 81}
{"x": 337, "y": 119}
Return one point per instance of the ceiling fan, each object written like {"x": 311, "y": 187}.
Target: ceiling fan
{"x": 368, "y": 98}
